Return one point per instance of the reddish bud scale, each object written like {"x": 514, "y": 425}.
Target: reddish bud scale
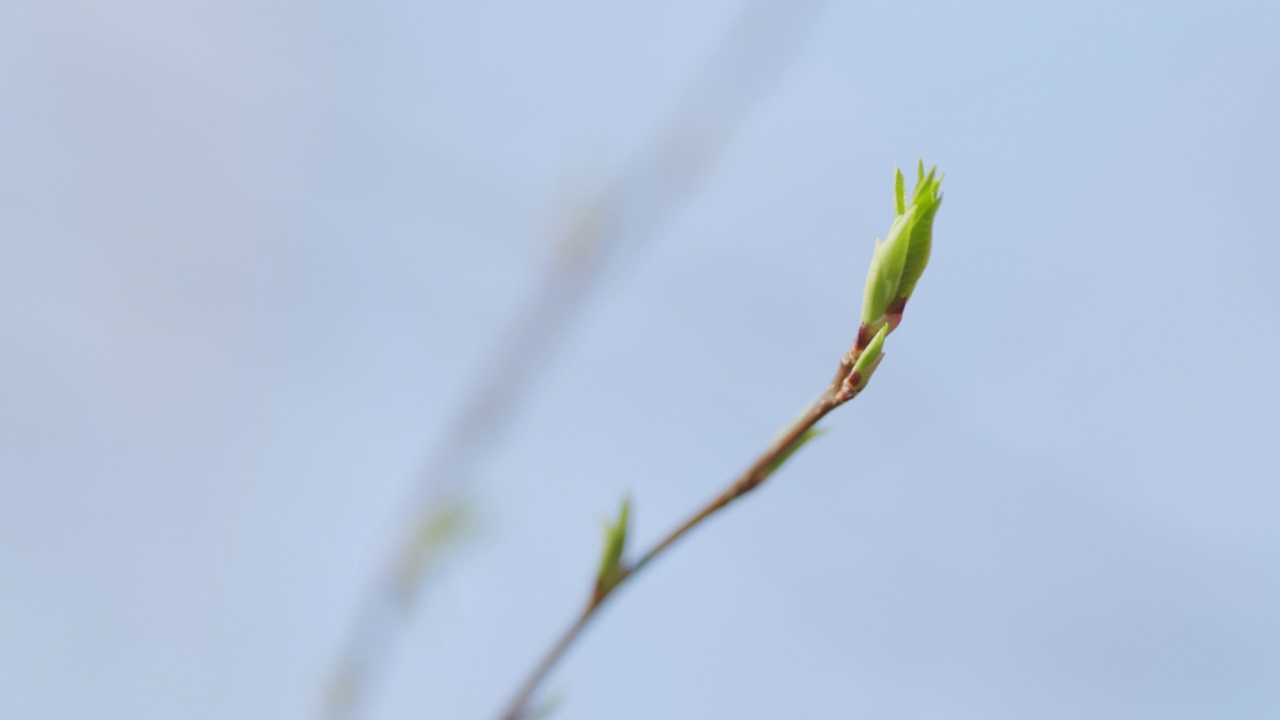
{"x": 865, "y": 334}
{"x": 851, "y": 385}
{"x": 893, "y": 314}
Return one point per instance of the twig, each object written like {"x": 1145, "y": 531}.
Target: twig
{"x": 626, "y": 212}
{"x": 896, "y": 265}
{"x": 839, "y": 392}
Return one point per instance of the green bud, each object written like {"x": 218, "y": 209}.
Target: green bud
{"x": 899, "y": 260}
{"x": 867, "y": 363}
{"x": 615, "y": 543}
{"x": 437, "y": 533}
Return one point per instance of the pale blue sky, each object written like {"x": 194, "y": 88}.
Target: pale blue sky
{"x": 253, "y": 253}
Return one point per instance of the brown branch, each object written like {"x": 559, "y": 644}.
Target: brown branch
{"x": 625, "y": 215}
{"x": 835, "y": 395}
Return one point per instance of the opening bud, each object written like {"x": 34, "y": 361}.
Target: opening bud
{"x": 899, "y": 260}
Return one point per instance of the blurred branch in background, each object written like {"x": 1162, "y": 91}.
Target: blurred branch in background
{"x": 620, "y": 218}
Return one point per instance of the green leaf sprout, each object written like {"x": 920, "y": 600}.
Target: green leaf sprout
{"x": 808, "y": 435}
{"x": 898, "y": 261}
{"x": 615, "y": 543}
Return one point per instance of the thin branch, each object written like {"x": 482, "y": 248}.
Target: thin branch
{"x": 836, "y": 395}
{"x": 625, "y": 214}
{"x": 896, "y": 265}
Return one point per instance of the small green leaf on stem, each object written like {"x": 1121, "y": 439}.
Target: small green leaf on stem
{"x": 615, "y": 543}
{"x": 867, "y": 363}
{"x": 887, "y": 261}
{"x": 925, "y": 200}
{"x": 808, "y": 435}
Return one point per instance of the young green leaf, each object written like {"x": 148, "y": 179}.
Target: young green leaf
{"x": 808, "y": 435}
{"x": 887, "y": 262}
{"x": 899, "y": 192}
{"x": 871, "y": 355}
{"x": 615, "y": 543}
{"x": 925, "y": 201}
{"x": 867, "y": 363}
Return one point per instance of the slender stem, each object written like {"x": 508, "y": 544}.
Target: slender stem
{"x": 631, "y": 207}
{"x": 750, "y": 479}
{"x": 550, "y": 659}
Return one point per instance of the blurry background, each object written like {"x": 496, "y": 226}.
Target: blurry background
{"x": 254, "y": 256}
